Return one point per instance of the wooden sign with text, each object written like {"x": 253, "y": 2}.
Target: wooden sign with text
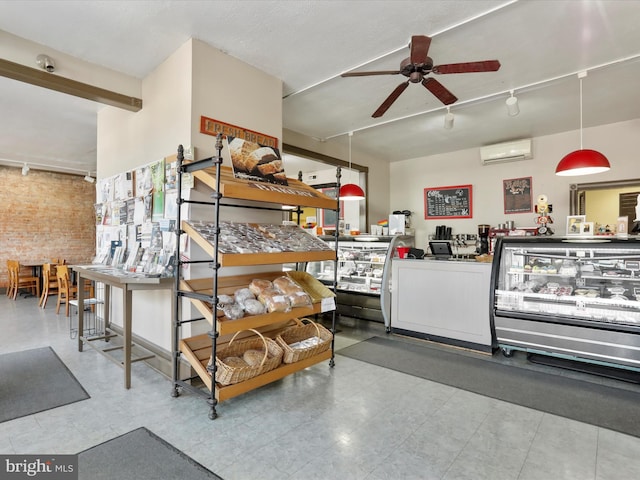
{"x": 209, "y": 126}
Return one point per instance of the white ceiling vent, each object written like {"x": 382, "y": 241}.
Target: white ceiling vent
{"x": 506, "y": 152}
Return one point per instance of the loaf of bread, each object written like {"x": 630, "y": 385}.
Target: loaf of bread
{"x": 235, "y": 362}
{"x": 253, "y": 357}
{"x": 254, "y": 307}
{"x": 258, "y": 285}
{"x": 274, "y": 301}
{"x": 295, "y": 293}
{"x": 240, "y": 150}
{"x": 286, "y": 285}
{"x": 270, "y": 168}
{"x": 258, "y": 157}
{"x": 242, "y": 295}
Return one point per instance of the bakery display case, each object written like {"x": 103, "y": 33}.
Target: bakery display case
{"x": 363, "y": 275}
{"x": 577, "y": 298}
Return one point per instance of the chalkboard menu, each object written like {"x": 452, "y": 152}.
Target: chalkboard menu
{"x": 448, "y": 202}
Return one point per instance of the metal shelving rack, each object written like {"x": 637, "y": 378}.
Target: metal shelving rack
{"x": 197, "y": 350}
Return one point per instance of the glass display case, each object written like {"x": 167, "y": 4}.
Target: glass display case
{"x": 364, "y": 271}
{"x": 571, "y": 297}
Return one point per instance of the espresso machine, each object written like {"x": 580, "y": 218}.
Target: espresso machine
{"x": 483, "y": 239}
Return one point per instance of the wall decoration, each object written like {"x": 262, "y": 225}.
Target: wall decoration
{"x": 448, "y": 202}
{"x": 252, "y": 161}
{"x": 209, "y": 126}
{"x": 574, "y": 224}
{"x": 517, "y": 195}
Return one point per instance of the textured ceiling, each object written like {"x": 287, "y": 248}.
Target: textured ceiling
{"x": 541, "y": 45}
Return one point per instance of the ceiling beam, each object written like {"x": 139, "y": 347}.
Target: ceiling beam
{"x": 40, "y": 78}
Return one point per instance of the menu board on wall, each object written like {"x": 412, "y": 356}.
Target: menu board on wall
{"x": 448, "y": 202}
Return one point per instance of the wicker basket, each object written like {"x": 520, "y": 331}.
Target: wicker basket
{"x": 316, "y": 290}
{"x": 227, "y": 375}
{"x": 300, "y": 332}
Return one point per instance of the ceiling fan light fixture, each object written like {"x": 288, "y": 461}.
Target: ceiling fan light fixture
{"x": 449, "y": 118}
{"x": 25, "y": 170}
{"x": 512, "y": 105}
{"x": 583, "y": 161}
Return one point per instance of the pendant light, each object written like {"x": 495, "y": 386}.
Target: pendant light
{"x": 351, "y": 191}
{"x": 582, "y": 162}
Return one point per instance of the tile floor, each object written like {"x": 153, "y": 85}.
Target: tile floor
{"x": 355, "y": 421}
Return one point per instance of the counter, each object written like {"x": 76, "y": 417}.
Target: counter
{"x": 446, "y": 301}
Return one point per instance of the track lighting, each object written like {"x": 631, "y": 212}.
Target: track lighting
{"x": 512, "y": 105}
{"x": 448, "y": 119}
{"x": 46, "y": 63}
{"x": 89, "y": 178}
{"x": 25, "y": 170}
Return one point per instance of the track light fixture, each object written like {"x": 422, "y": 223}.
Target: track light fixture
{"x": 449, "y": 119}
{"x": 25, "y": 170}
{"x": 89, "y": 178}
{"x": 46, "y": 63}
{"x": 512, "y": 105}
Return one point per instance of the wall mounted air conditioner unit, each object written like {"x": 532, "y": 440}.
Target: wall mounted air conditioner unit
{"x": 506, "y": 152}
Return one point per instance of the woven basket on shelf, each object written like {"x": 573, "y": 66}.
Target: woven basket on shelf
{"x": 227, "y": 374}
{"x": 300, "y": 332}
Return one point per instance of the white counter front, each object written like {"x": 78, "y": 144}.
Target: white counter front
{"x": 442, "y": 301}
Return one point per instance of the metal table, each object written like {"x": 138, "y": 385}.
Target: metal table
{"x": 112, "y": 277}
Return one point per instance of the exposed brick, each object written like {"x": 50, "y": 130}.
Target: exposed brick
{"x": 45, "y": 215}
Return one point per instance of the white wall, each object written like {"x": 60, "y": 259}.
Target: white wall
{"x": 409, "y": 178}
{"x": 196, "y": 80}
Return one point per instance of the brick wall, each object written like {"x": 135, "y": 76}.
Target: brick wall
{"x": 45, "y": 215}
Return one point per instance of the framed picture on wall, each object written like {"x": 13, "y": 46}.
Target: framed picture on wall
{"x": 517, "y": 195}
{"x": 574, "y": 224}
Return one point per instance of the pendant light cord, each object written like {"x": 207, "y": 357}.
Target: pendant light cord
{"x": 581, "y": 114}
{"x": 350, "y": 137}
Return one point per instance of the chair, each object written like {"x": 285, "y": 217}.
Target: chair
{"x": 66, "y": 291}
{"x": 49, "y": 283}
{"x": 18, "y": 281}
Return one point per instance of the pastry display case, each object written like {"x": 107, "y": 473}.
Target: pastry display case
{"x": 364, "y": 273}
{"x": 572, "y": 297}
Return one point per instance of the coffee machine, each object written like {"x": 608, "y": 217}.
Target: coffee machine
{"x": 483, "y": 239}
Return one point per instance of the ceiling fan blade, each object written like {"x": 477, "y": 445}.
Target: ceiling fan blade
{"x": 439, "y": 90}
{"x": 467, "y": 67}
{"x": 364, "y": 74}
{"x": 390, "y": 99}
{"x": 419, "y": 49}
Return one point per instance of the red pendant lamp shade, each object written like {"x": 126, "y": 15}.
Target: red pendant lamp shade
{"x": 351, "y": 191}
{"x": 582, "y": 162}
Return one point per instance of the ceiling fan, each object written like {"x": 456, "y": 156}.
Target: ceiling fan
{"x": 418, "y": 65}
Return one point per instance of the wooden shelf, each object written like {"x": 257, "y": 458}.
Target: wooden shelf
{"x": 227, "y": 286}
{"x": 197, "y": 350}
{"x": 250, "y": 259}
{"x": 296, "y": 193}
